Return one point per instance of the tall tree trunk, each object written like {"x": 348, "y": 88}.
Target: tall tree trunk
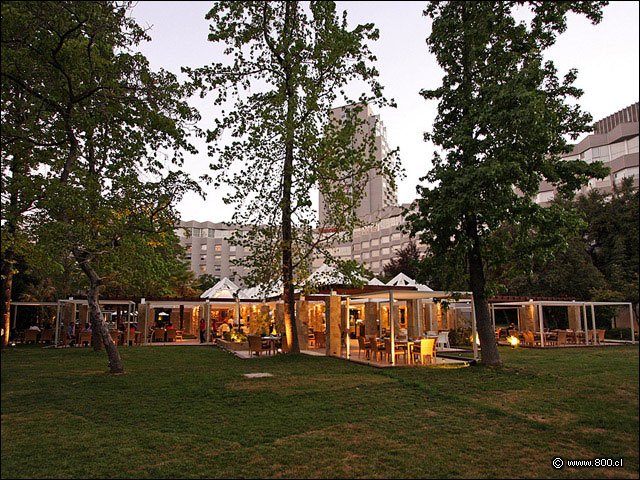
{"x": 292, "y": 344}
{"x": 489, "y": 348}
{"x": 7, "y": 284}
{"x": 100, "y": 334}
{"x": 486, "y": 334}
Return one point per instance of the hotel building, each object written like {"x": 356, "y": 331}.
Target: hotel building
{"x": 615, "y": 144}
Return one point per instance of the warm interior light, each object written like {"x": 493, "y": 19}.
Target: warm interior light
{"x": 514, "y": 341}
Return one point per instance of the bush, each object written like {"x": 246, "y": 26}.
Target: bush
{"x": 234, "y": 336}
{"x": 460, "y": 337}
{"x": 619, "y": 334}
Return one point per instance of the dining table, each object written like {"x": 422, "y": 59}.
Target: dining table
{"x": 273, "y": 342}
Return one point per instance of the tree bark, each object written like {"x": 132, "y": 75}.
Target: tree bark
{"x": 292, "y": 344}
{"x": 7, "y": 284}
{"x": 100, "y": 334}
{"x": 486, "y": 334}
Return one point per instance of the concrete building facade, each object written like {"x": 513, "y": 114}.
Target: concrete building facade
{"x": 378, "y": 193}
{"x": 208, "y": 249}
{"x": 615, "y": 144}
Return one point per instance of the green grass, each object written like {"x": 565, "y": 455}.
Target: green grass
{"x": 189, "y": 412}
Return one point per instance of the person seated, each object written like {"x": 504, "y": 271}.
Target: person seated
{"x": 87, "y": 328}
{"x": 170, "y": 327}
{"x": 71, "y": 338}
{"x": 34, "y": 327}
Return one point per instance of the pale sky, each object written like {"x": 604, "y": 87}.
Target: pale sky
{"x": 606, "y": 56}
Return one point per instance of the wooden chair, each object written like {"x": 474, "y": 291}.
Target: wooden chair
{"x": 529, "y": 338}
{"x": 426, "y": 348}
{"x": 399, "y": 350}
{"x": 47, "y": 335}
{"x": 312, "y": 340}
{"x": 255, "y": 345}
{"x": 85, "y": 337}
{"x": 171, "y": 335}
{"x": 31, "y": 336}
{"x": 377, "y": 350}
{"x": 115, "y": 336}
{"x": 179, "y": 335}
{"x": 320, "y": 340}
{"x": 364, "y": 344}
{"x": 158, "y": 335}
{"x": 134, "y": 337}
{"x": 562, "y": 337}
{"x": 600, "y": 334}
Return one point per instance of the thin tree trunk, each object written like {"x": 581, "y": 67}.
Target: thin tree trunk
{"x": 7, "y": 284}
{"x": 292, "y": 344}
{"x": 100, "y": 334}
{"x": 486, "y": 334}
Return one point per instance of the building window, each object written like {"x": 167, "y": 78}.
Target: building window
{"x": 365, "y": 245}
{"x": 211, "y": 232}
{"x": 203, "y": 268}
{"x": 385, "y": 239}
{"x": 187, "y": 248}
{"x": 375, "y": 253}
{"x": 217, "y": 257}
{"x": 396, "y": 236}
{"x": 218, "y": 248}
{"x": 375, "y": 242}
{"x": 384, "y": 251}
{"x": 232, "y": 248}
{"x": 365, "y": 255}
{"x": 203, "y": 258}
{"x": 203, "y": 246}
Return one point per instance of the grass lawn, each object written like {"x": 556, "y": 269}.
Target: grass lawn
{"x": 189, "y": 412}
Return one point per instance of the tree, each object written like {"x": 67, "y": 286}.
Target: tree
{"x": 107, "y": 121}
{"x": 287, "y": 140}
{"x": 503, "y": 118}
{"x": 406, "y": 261}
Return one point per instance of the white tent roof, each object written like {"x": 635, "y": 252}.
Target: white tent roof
{"x": 375, "y": 281}
{"x": 326, "y": 275}
{"x": 402, "y": 280}
{"x": 225, "y": 288}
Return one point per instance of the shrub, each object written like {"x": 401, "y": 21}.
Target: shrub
{"x": 460, "y": 337}
{"x": 619, "y": 334}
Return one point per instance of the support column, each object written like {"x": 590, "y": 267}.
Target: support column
{"x": 302, "y": 323}
{"x": 370, "y": 319}
{"x": 332, "y": 336}
{"x": 411, "y": 319}
{"x": 633, "y": 333}
{"x": 143, "y": 318}
{"x": 541, "y": 319}
{"x": 596, "y": 341}
{"x": 474, "y": 329}
{"x": 264, "y": 319}
{"x": 574, "y": 318}
{"x": 207, "y": 318}
{"x": 392, "y": 326}
{"x": 280, "y": 318}
{"x": 347, "y": 339}
{"x": 585, "y": 324}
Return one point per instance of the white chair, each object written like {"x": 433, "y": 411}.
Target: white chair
{"x": 443, "y": 340}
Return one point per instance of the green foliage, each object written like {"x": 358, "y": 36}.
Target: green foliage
{"x": 287, "y": 66}
{"x": 406, "y": 261}
{"x": 502, "y": 120}
{"x": 234, "y": 336}
{"x": 460, "y": 337}
{"x": 108, "y": 132}
{"x": 502, "y": 123}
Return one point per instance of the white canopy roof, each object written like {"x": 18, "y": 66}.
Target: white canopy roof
{"x": 225, "y": 288}
{"x": 375, "y": 281}
{"x": 402, "y": 280}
